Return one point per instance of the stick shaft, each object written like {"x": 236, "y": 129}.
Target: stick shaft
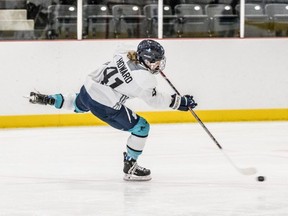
{"x": 193, "y": 113}
{"x": 205, "y": 128}
{"x": 244, "y": 171}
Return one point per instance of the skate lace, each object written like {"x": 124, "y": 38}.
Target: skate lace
{"x": 135, "y": 167}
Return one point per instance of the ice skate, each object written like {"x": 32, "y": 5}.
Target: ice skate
{"x": 134, "y": 172}
{"x": 56, "y": 100}
{"x": 37, "y": 98}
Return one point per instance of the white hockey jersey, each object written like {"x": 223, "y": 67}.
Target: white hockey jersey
{"x": 121, "y": 79}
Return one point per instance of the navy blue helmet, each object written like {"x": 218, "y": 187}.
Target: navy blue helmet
{"x": 152, "y": 55}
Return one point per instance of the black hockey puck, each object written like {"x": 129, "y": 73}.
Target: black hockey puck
{"x": 261, "y": 178}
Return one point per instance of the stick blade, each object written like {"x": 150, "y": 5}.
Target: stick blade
{"x": 248, "y": 171}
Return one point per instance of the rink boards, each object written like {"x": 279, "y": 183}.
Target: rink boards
{"x": 88, "y": 119}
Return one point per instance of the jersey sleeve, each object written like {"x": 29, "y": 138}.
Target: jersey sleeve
{"x": 149, "y": 93}
{"x": 156, "y": 99}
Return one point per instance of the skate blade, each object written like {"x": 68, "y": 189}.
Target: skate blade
{"x": 129, "y": 177}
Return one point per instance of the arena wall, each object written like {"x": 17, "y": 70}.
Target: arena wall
{"x": 231, "y": 79}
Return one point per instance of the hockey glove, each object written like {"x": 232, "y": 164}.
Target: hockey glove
{"x": 182, "y": 103}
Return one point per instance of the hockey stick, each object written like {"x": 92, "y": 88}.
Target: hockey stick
{"x": 244, "y": 171}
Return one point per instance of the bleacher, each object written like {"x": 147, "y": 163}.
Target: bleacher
{"x": 13, "y": 21}
{"x": 56, "y": 19}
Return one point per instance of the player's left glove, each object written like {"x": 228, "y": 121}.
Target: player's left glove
{"x": 183, "y": 103}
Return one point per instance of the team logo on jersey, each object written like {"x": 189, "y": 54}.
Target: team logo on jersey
{"x": 154, "y": 93}
{"x": 123, "y": 70}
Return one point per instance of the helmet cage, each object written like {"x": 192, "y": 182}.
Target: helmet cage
{"x": 156, "y": 66}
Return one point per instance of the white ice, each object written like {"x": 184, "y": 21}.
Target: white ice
{"x": 77, "y": 171}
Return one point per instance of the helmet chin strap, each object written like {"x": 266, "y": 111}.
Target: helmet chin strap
{"x": 142, "y": 63}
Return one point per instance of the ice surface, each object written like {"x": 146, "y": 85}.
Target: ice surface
{"x": 78, "y": 171}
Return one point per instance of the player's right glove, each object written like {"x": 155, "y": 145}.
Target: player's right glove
{"x": 182, "y": 103}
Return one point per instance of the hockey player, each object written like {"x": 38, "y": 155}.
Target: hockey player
{"x": 129, "y": 75}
